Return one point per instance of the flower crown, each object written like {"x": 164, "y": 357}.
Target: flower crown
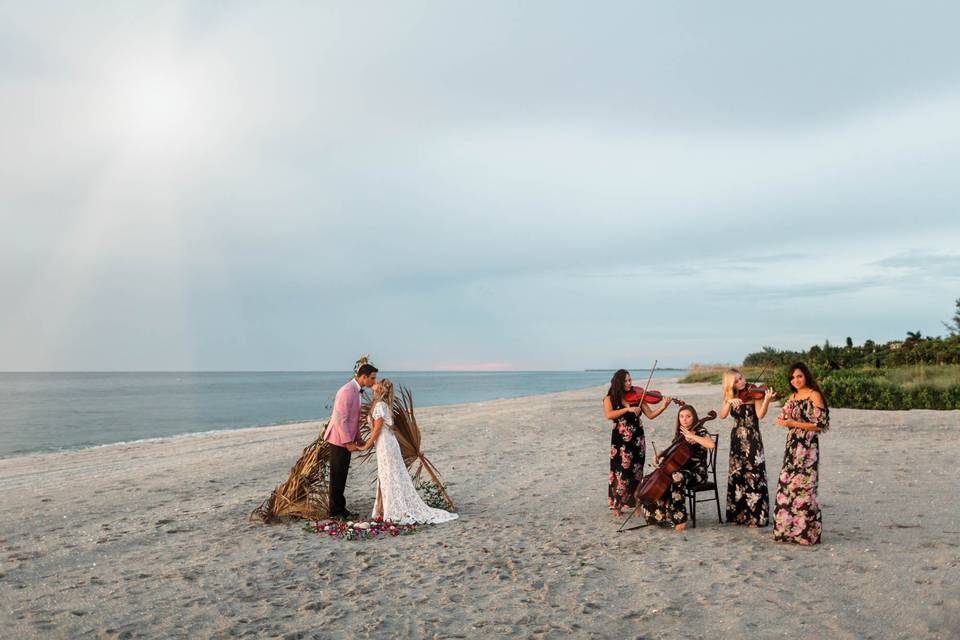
{"x": 364, "y": 359}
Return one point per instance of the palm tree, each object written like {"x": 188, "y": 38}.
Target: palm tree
{"x": 954, "y": 328}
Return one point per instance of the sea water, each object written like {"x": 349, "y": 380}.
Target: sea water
{"x": 60, "y": 411}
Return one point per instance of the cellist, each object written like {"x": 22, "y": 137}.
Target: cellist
{"x": 671, "y": 509}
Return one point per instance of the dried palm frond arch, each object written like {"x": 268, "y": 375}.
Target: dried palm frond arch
{"x": 305, "y": 493}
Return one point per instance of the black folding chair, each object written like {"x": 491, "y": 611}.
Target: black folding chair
{"x": 693, "y": 489}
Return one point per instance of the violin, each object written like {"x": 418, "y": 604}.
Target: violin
{"x": 753, "y": 392}
{"x": 632, "y": 397}
{"x": 657, "y": 482}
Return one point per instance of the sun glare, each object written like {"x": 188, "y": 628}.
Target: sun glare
{"x": 159, "y": 106}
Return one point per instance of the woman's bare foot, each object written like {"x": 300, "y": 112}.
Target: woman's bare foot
{"x": 616, "y": 512}
{"x": 680, "y": 527}
{"x": 751, "y": 526}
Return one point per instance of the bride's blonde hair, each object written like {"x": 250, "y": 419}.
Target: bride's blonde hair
{"x": 729, "y": 377}
{"x": 386, "y": 393}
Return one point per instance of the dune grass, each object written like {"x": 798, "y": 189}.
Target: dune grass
{"x": 713, "y": 373}
{"x": 940, "y": 377}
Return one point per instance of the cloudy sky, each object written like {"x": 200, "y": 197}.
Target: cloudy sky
{"x": 533, "y": 185}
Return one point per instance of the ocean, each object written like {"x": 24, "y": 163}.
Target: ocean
{"x": 62, "y": 411}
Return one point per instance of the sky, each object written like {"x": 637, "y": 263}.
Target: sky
{"x": 452, "y": 185}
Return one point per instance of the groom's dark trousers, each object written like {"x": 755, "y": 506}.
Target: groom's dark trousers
{"x": 339, "y": 466}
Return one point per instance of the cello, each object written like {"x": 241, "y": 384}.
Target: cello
{"x": 656, "y": 483}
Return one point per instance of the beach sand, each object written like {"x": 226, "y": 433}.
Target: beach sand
{"x": 152, "y": 539}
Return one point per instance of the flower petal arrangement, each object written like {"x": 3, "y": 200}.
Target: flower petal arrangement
{"x": 361, "y": 530}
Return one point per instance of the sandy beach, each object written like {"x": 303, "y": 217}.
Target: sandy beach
{"x": 152, "y": 539}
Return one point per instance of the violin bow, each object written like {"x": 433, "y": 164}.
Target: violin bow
{"x": 633, "y": 512}
{"x": 760, "y": 375}
{"x": 647, "y": 385}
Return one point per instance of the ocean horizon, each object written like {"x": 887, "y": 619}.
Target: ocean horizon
{"x": 62, "y": 411}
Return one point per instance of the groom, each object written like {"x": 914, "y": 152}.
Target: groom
{"x": 343, "y": 434}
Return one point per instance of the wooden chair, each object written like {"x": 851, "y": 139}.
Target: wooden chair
{"x": 692, "y": 490}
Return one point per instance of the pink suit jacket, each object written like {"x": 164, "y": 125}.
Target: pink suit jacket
{"x": 345, "y": 421}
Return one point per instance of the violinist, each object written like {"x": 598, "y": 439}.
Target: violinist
{"x": 671, "y": 509}
{"x": 748, "y": 499}
{"x": 628, "y": 446}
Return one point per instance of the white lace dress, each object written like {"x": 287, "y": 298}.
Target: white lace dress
{"x": 401, "y": 502}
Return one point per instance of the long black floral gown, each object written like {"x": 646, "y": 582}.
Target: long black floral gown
{"x": 748, "y": 498}
{"x": 628, "y": 450}
{"x": 671, "y": 508}
{"x": 796, "y": 510}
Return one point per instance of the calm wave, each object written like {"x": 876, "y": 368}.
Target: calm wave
{"x": 56, "y": 411}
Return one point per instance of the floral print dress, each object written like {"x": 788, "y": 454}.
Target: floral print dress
{"x": 628, "y": 450}
{"x": 671, "y": 509}
{"x": 796, "y": 510}
{"x": 748, "y": 498}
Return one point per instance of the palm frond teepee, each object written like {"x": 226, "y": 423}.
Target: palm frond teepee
{"x": 305, "y": 493}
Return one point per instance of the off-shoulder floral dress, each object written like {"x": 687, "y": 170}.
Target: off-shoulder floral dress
{"x": 796, "y": 510}
{"x": 748, "y": 498}
{"x": 671, "y": 508}
{"x": 628, "y": 450}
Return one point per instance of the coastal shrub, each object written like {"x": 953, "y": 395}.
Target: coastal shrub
{"x": 874, "y": 392}
{"x": 902, "y": 388}
{"x": 952, "y": 396}
{"x": 922, "y": 397}
{"x": 779, "y": 382}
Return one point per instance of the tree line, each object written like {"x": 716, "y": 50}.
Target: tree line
{"x": 866, "y": 376}
{"x": 914, "y": 349}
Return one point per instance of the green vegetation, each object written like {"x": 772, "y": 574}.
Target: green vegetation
{"x": 922, "y": 387}
{"x": 915, "y": 373}
{"x": 431, "y": 494}
{"x": 713, "y": 373}
{"x": 915, "y": 349}
{"x": 940, "y": 377}
{"x": 892, "y": 389}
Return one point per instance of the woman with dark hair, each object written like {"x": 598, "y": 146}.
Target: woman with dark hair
{"x": 671, "y": 509}
{"x": 628, "y": 447}
{"x": 796, "y": 511}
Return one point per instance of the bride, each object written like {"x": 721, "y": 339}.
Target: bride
{"x": 397, "y": 499}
